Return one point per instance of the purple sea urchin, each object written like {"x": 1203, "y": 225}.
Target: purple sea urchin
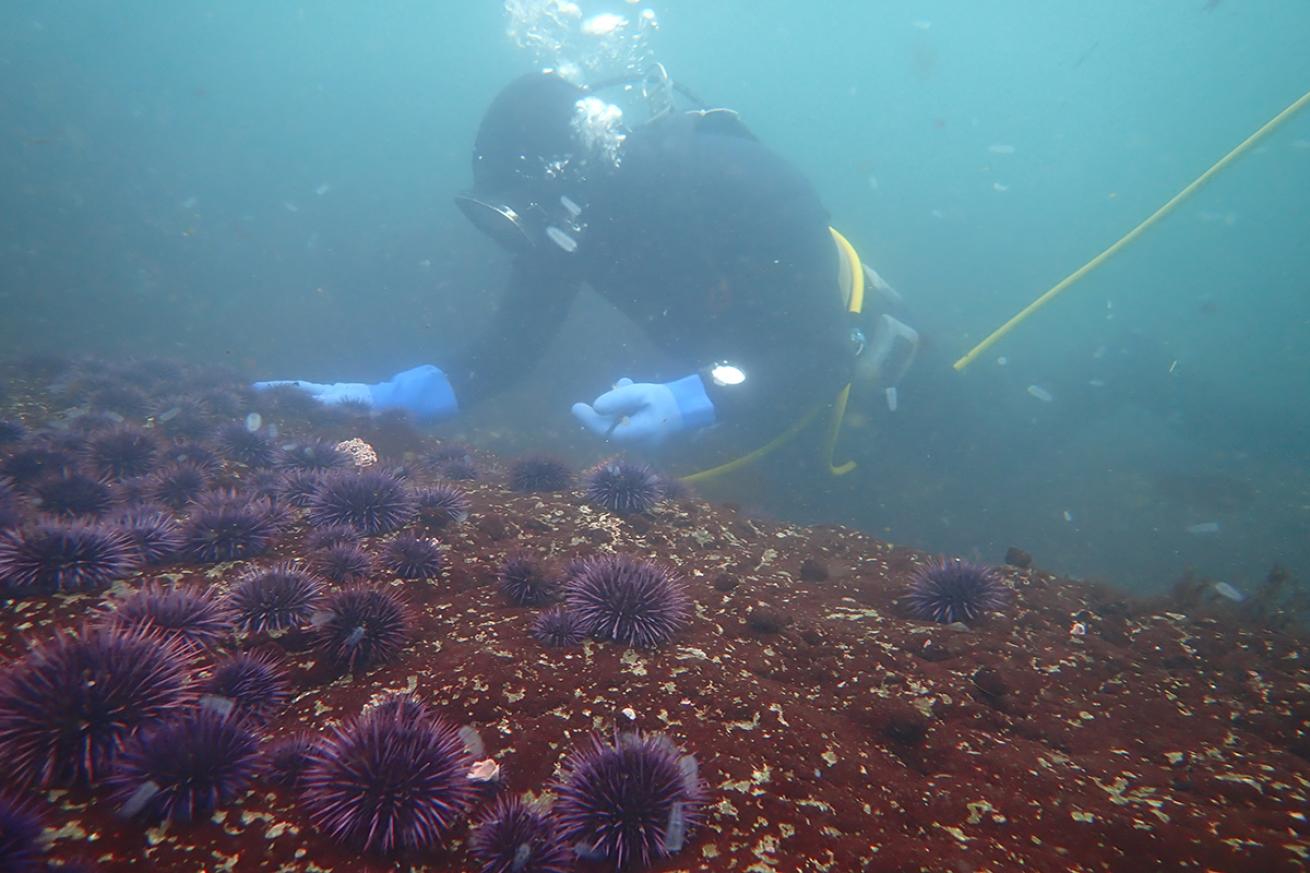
{"x": 361, "y": 627}
{"x": 245, "y": 446}
{"x": 344, "y": 563}
{"x": 183, "y": 417}
{"x": 313, "y": 455}
{"x": 539, "y": 473}
{"x": 629, "y": 802}
{"x": 155, "y": 535}
{"x": 67, "y": 708}
{"x": 71, "y": 493}
{"x": 20, "y": 836}
{"x": 410, "y": 557}
{"x": 274, "y": 599}
{"x": 227, "y": 526}
{"x": 519, "y": 837}
{"x": 525, "y": 583}
{"x": 439, "y": 505}
{"x": 559, "y": 628}
{"x": 184, "y": 768}
{"x": 11, "y": 431}
{"x": 285, "y": 760}
{"x": 462, "y": 468}
{"x": 627, "y": 600}
{"x": 371, "y": 501}
{"x": 332, "y": 535}
{"x": 63, "y": 556}
{"x": 298, "y": 487}
{"x": 187, "y": 613}
{"x": 34, "y": 461}
{"x": 11, "y": 506}
{"x": 177, "y": 485}
{"x": 389, "y": 781}
{"x": 195, "y": 455}
{"x": 623, "y": 487}
{"x": 119, "y": 398}
{"x": 950, "y": 590}
{"x": 122, "y": 452}
{"x": 253, "y": 685}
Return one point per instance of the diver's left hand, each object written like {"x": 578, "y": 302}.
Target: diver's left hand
{"x": 647, "y": 413}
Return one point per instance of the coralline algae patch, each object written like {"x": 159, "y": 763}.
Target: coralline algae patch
{"x": 1074, "y": 730}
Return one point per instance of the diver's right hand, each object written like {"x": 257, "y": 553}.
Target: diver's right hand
{"x": 422, "y": 391}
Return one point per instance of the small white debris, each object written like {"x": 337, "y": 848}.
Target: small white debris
{"x": 289, "y": 206}
{"x": 921, "y": 24}
{"x": 892, "y": 401}
{"x": 322, "y": 189}
{"x": 254, "y": 421}
{"x": 1002, "y": 361}
{"x": 1078, "y": 629}
{"x": 189, "y": 203}
{"x": 484, "y": 771}
{"x": 1223, "y": 589}
{"x": 472, "y": 741}
{"x": 629, "y": 713}
{"x": 562, "y": 239}
{"x": 1040, "y": 393}
{"x": 1000, "y": 148}
{"x": 1205, "y": 527}
{"x": 1068, "y": 516}
{"x": 997, "y": 186}
{"x": 1096, "y": 383}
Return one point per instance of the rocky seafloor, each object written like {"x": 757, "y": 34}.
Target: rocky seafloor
{"x": 1073, "y": 729}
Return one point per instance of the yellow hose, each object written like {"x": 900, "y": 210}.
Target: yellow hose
{"x": 1133, "y": 234}
{"x": 855, "y": 304}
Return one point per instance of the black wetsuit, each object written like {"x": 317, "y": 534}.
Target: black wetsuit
{"x": 718, "y": 249}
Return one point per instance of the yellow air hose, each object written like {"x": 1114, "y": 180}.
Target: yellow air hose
{"x": 1133, "y": 234}
{"x": 851, "y": 263}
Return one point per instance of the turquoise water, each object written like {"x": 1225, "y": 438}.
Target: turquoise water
{"x": 270, "y": 185}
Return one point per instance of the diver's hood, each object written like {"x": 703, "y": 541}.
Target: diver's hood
{"x": 531, "y": 162}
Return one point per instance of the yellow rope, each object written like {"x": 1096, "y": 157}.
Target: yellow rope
{"x": 856, "y": 304}
{"x": 768, "y": 448}
{"x": 1133, "y": 234}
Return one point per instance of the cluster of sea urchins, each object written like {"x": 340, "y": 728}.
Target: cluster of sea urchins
{"x": 159, "y": 701}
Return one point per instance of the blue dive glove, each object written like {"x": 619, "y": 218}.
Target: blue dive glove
{"x": 647, "y": 412}
{"x": 423, "y": 391}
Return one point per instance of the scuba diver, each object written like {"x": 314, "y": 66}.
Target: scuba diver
{"x": 717, "y": 248}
